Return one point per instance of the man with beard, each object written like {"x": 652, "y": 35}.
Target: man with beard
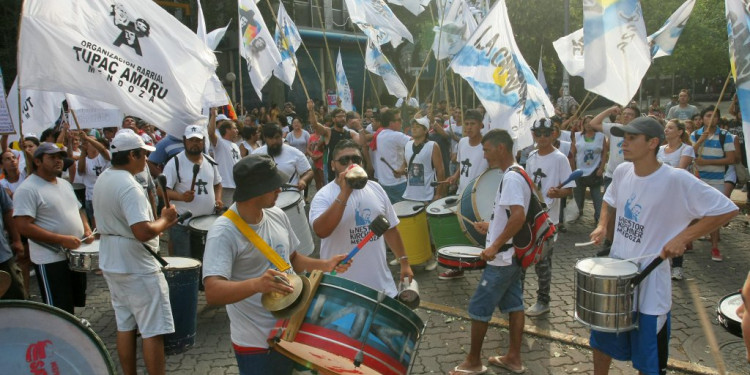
{"x": 333, "y": 134}
{"x": 201, "y": 197}
{"x": 288, "y": 159}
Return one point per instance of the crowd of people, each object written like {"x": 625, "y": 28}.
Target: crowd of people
{"x": 67, "y": 187}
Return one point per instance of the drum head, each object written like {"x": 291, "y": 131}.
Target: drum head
{"x": 182, "y": 263}
{"x": 461, "y": 251}
{"x": 727, "y": 313}
{"x": 38, "y": 337}
{"x": 443, "y": 206}
{"x": 484, "y": 192}
{"x": 321, "y": 360}
{"x": 607, "y": 267}
{"x": 288, "y": 198}
{"x": 92, "y": 247}
{"x": 202, "y": 223}
{"x": 408, "y": 208}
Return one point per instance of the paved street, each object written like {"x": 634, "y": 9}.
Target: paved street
{"x": 558, "y": 344}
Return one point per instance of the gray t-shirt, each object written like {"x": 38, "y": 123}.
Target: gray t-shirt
{"x": 682, "y": 113}
{"x": 230, "y": 255}
{"x": 5, "y": 205}
{"x": 54, "y": 207}
{"x": 119, "y": 202}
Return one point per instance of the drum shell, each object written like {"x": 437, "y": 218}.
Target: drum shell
{"x": 461, "y": 263}
{"x": 183, "y": 283}
{"x": 295, "y": 211}
{"x": 198, "y": 232}
{"x": 475, "y": 203}
{"x": 726, "y": 313}
{"x": 443, "y": 223}
{"x": 335, "y": 323}
{"x": 83, "y": 261}
{"x": 605, "y": 303}
{"x": 414, "y": 231}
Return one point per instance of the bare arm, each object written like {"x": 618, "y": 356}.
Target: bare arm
{"x": 27, "y": 228}
{"x": 396, "y": 244}
{"x": 676, "y": 246}
{"x": 515, "y": 222}
{"x": 97, "y": 145}
{"x": 685, "y": 161}
{"x": 606, "y": 227}
{"x": 597, "y": 121}
{"x": 437, "y": 163}
{"x": 304, "y": 263}
{"x": 220, "y": 291}
{"x": 146, "y": 230}
{"x": 212, "y": 128}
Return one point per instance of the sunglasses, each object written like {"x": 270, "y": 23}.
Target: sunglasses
{"x": 542, "y": 132}
{"x": 356, "y": 159}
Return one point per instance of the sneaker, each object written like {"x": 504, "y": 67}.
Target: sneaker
{"x": 561, "y": 228}
{"x": 677, "y": 273}
{"x": 431, "y": 265}
{"x": 716, "y": 255}
{"x": 394, "y": 262}
{"x": 538, "y": 309}
{"x": 451, "y": 274}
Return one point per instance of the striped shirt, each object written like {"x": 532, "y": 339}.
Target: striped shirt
{"x": 713, "y": 149}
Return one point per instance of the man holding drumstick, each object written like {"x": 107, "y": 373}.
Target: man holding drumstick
{"x": 646, "y": 213}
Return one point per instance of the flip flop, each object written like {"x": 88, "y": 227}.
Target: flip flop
{"x": 457, "y": 370}
{"x": 497, "y": 361}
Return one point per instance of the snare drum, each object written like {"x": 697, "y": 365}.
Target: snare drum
{"x": 348, "y": 321}
{"x": 85, "y": 258}
{"x": 414, "y": 231}
{"x": 475, "y": 203}
{"x": 604, "y": 297}
{"x": 199, "y": 227}
{"x": 38, "y": 338}
{"x": 443, "y": 223}
{"x": 727, "y": 313}
{"x": 294, "y": 207}
{"x": 461, "y": 257}
{"x": 182, "y": 276}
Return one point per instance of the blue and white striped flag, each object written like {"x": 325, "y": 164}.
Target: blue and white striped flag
{"x": 377, "y": 63}
{"x": 492, "y": 64}
{"x": 343, "y": 91}
{"x": 662, "y": 42}
{"x": 615, "y": 50}
{"x": 287, "y": 46}
{"x": 377, "y": 14}
{"x": 455, "y": 28}
{"x": 738, "y": 23}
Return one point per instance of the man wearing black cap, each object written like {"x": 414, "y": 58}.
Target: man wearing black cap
{"x": 236, "y": 273}
{"x": 648, "y": 208}
{"x": 48, "y": 213}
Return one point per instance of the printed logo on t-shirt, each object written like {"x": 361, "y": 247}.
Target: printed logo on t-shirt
{"x": 588, "y": 156}
{"x": 627, "y": 225}
{"x": 235, "y": 155}
{"x": 200, "y": 187}
{"x": 362, "y": 220}
{"x": 538, "y": 177}
{"x": 465, "y": 166}
{"x": 619, "y": 146}
{"x": 416, "y": 175}
{"x": 98, "y": 170}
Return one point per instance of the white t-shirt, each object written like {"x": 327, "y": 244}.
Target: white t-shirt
{"x": 615, "y": 149}
{"x": 565, "y": 148}
{"x": 54, "y": 207}
{"x": 369, "y": 266}
{"x": 673, "y": 158}
{"x": 471, "y": 162}
{"x": 652, "y": 210}
{"x": 589, "y": 154}
{"x": 421, "y": 173}
{"x": 12, "y": 186}
{"x": 391, "y": 148}
{"x": 513, "y": 191}
{"x": 454, "y": 129}
{"x": 208, "y": 176}
{"x": 227, "y": 154}
{"x": 230, "y": 255}
{"x": 291, "y": 161}
{"x": 119, "y": 202}
{"x": 549, "y": 171}
{"x": 94, "y": 168}
{"x": 565, "y": 136}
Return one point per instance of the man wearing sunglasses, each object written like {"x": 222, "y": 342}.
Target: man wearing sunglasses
{"x": 341, "y": 216}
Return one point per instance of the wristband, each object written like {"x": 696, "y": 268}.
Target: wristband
{"x": 339, "y": 201}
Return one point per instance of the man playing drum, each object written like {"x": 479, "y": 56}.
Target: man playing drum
{"x": 646, "y": 213}
{"x": 500, "y": 285}
{"x": 139, "y": 291}
{"x": 236, "y": 273}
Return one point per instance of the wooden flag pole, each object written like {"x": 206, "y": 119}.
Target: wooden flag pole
{"x": 325, "y": 40}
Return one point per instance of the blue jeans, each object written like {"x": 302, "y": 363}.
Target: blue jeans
{"x": 395, "y": 192}
{"x": 594, "y": 183}
{"x": 265, "y": 363}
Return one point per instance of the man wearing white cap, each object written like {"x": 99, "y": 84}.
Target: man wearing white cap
{"x": 126, "y": 222}
{"x": 227, "y": 152}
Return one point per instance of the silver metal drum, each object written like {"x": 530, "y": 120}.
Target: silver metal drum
{"x": 604, "y": 297}
{"x": 85, "y": 258}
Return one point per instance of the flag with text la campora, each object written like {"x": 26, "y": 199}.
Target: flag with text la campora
{"x": 132, "y": 54}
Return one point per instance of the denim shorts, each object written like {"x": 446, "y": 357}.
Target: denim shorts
{"x": 499, "y": 286}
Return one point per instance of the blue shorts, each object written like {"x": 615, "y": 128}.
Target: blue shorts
{"x": 269, "y": 362}
{"x": 499, "y": 287}
{"x": 647, "y": 349}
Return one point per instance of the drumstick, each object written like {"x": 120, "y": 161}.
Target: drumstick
{"x": 377, "y": 227}
{"x": 436, "y": 183}
{"x": 84, "y": 238}
{"x": 462, "y": 217}
{"x": 579, "y": 244}
{"x": 386, "y": 163}
{"x": 282, "y": 280}
{"x": 196, "y": 170}
{"x": 574, "y": 175}
{"x": 706, "y": 325}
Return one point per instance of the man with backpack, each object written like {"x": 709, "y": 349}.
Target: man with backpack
{"x": 500, "y": 285}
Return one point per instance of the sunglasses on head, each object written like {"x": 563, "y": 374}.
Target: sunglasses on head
{"x": 356, "y": 159}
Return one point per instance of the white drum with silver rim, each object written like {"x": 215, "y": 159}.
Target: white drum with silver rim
{"x": 604, "y": 295}
{"x": 294, "y": 207}
{"x": 85, "y": 258}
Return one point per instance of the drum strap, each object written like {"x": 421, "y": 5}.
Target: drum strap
{"x": 255, "y": 239}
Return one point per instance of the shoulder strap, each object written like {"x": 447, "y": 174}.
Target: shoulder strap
{"x": 255, "y": 239}
{"x": 177, "y": 167}
{"x": 210, "y": 159}
{"x": 534, "y": 191}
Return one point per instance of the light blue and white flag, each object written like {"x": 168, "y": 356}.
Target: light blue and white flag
{"x": 570, "y": 52}
{"x": 494, "y": 67}
{"x": 662, "y": 42}
{"x": 343, "y": 91}
{"x": 257, "y": 45}
{"x": 738, "y": 24}
{"x": 414, "y": 6}
{"x": 615, "y": 50}
{"x": 287, "y": 46}
{"x": 540, "y": 76}
{"x": 454, "y": 30}
{"x": 377, "y": 14}
{"x": 377, "y": 63}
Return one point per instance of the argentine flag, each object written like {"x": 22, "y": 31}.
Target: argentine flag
{"x": 662, "y": 42}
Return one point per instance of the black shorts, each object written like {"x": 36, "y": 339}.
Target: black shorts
{"x": 61, "y": 287}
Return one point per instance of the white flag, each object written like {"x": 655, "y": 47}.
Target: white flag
{"x": 214, "y": 94}
{"x": 494, "y": 67}
{"x": 377, "y": 14}
{"x": 739, "y": 50}
{"x": 6, "y": 124}
{"x": 214, "y": 37}
{"x": 343, "y": 91}
{"x": 414, "y": 6}
{"x": 132, "y": 54}
{"x": 287, "y": 46}
{"x": 39, "y": 109}
{"x": 257, "y": 46}
{"x": 570, "y": 52}
{"x": 615, "y": 50}
{"x": 455, "y": 29}
{"x": 377, "y": 63}
{"x": 663, "y": 40}
{"x": 540, "y": 76}
{"x": 92, "y": 114}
